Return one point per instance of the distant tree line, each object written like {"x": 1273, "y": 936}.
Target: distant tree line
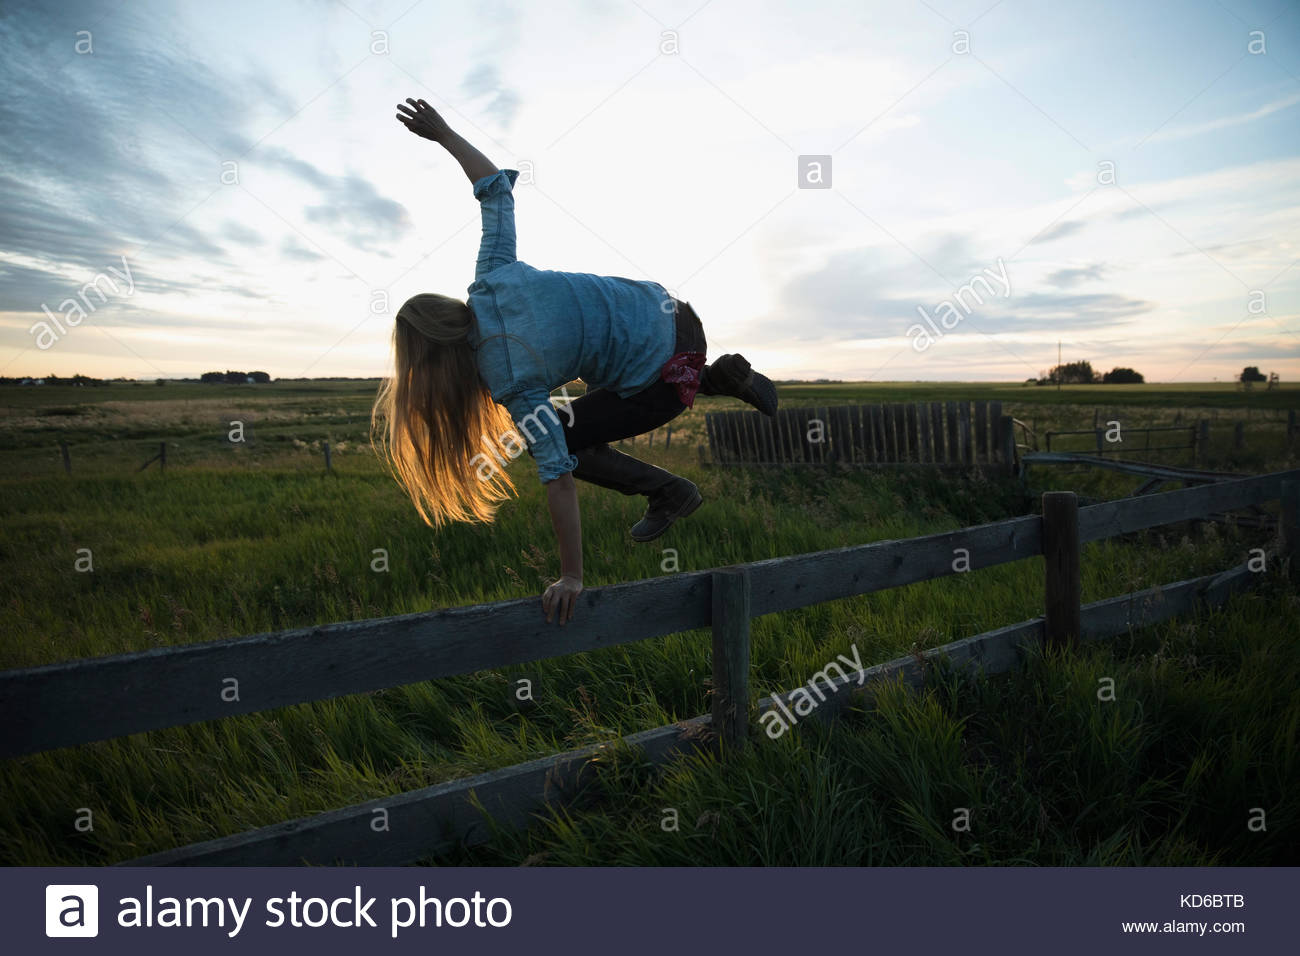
{"x": 58, "y": 380}
{"x": 227, "y": 377}
{"x": 234, "y": 378}
{"x": 1082, "y": 373}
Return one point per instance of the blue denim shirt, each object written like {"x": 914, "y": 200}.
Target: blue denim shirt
{"x": 537, "y": 330}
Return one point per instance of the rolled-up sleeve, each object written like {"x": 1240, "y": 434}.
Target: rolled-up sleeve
{"x": 497, "y": 199}
{"x": 540, "y": 425}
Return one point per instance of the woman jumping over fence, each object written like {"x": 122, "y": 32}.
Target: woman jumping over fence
{"x": 522, "y": 333}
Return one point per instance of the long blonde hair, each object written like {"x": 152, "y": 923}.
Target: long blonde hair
{"x": 435, "y": 416}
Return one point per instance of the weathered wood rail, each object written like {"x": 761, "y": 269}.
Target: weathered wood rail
{"x": 939, "y": 434}
{"x": 79, "y": 701}
{"x": 1136, "y": 439}
{"x": 1104, "y": 447}
{"x": 1156, "y": 475}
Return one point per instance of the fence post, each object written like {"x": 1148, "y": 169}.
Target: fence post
{"x": 668, "y": 439}
{"x": 327, "y": 455}
{"x": 1290, "y": 501}
{"x": 1006, "y": 441}
{"x": 1291, "y": 429}
{"x": 162, "y": 457}
{"x": 1061, "y": 554}
{"x": 67, "y": 460}
{"x": 731, "y": 656}
{"x": 1201, "y": 441}
{"x": 1239, "y": 435}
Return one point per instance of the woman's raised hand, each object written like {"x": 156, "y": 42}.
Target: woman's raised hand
{"x": 423, "y": 120}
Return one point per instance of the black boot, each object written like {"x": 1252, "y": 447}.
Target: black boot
{"x": 671, "y": 496}
{"x": 675, "y": 499}
{"x": 732, "y": 375}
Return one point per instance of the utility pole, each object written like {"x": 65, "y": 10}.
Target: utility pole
{"x": 1058, "y": 365}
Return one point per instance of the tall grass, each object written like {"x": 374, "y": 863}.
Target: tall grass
{"x": 238, "y": 541}
{"x": 1193, "y": 762}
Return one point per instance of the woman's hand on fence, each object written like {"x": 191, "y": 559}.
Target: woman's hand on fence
{"x": 562, "y": 596}
{"x": 423, "y": 120}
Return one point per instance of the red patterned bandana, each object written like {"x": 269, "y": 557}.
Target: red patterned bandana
{"x": 683, "y": 371}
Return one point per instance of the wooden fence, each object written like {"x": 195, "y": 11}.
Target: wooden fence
{"x": 1127, "y": 447}
{"x": 1192, "y": 438}
{"x": 75, "y": 702}
{"x": 939, "y": 434}
{"x": 1154, "y": 476}
{"x": 161, "y": 456}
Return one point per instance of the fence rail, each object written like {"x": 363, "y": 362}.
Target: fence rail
{"x": 74, "y": 702}
{"x": 79, "y": 701}
{"x": 1155, "y": 476}
{"x": 1103, "y": 445}
{"x": 440, "y": 817}
{"x": 1197, "y": 442}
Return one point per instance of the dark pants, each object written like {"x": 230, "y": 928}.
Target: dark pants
{"x": 600, "y": 416}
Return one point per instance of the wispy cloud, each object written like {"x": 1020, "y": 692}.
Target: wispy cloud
{"x": 502, "y": 103}
{"x": 1195, "y": 129}
{"x": 1063, "y": 278}
{"x": 367, "y": 218}
{"x": 1059, "y": 231}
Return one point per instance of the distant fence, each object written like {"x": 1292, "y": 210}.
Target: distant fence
{"x": 956, "y": 435}
{"x": 75, "y": 702}
{"x": 1193, "y": 438}
{"x": 941, "y": 434}
{"x": 161, "y": 456}
{"x": 1126, "y": 447}
{"x": 948, "y": 435}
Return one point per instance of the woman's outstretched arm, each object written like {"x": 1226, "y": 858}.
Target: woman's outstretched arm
{"x": 562, "y": 500}
{"x": 424, "y": 121}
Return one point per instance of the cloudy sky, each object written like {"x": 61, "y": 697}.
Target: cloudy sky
{"x": 1125, "y": 176}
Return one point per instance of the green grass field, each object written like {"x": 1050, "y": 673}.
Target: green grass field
{"x": 243, "y": 538}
